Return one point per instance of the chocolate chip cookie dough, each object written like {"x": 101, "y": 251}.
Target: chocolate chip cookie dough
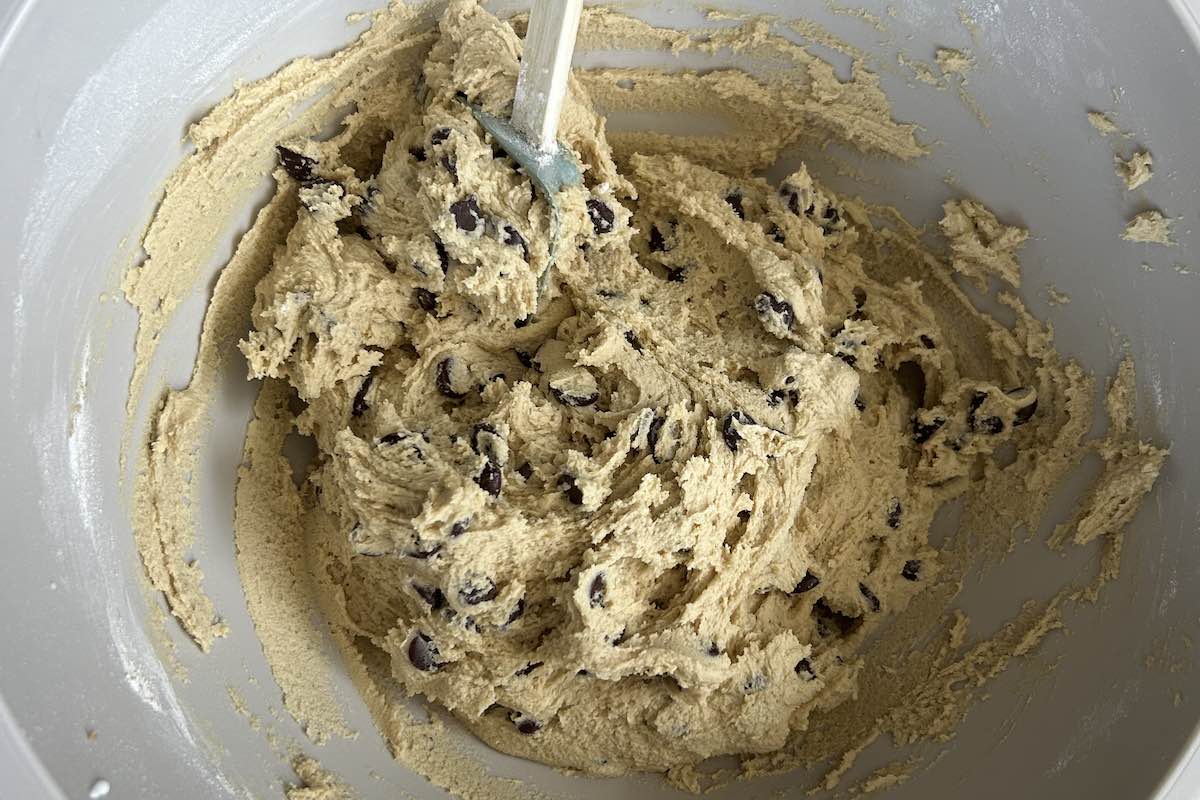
{"x": 653, "y": 514}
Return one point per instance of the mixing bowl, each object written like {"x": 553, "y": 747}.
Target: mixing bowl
{"x": 97, "y": 97}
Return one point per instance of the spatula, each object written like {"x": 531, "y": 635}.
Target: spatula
{"x": 531, "y": 137}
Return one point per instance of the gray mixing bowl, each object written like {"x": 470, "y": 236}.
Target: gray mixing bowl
{"x": 96, "y": 97}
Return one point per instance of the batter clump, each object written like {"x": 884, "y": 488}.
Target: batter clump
{"x": 650, "y": 516}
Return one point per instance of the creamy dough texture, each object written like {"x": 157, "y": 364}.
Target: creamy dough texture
{"x": 654, "y": 514}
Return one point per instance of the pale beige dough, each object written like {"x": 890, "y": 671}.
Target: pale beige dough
{"x": 654, "y": 515}
{"x": 1136, "y": 171}
{"x": 1149, "y": 227}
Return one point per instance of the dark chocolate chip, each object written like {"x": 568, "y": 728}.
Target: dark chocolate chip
{"x": 478, "y": 428}
{"x": 475, "y": 593}
{"x": 445, "y": 381}
{"x": 528, "y": 668}
{"x": 793, "y": 198}
{"x": 360, "y": 406}
{"x": 525, "y": 470}
{"x": 804, "y": 665}
{"x": 832, "y": 218}
{"x": 423, "y": 653}
{"x": 418, "y": 153}
{"x": 598, "y": 591}
{"x": 523, "y": 321}
{"x": 768, "y": 305}
{"x": 734, "y": 199}
{"x": 467, "y": 216}
{"x": 652, "y": 435}
{"x": 571, "y": 489}
{"x": 633, "y": 340}
{"x": 1024, "y": 413}
{"x": 391, "y": 438}
{"x": 601, "y": 215}
{"x": 443, "y": 256}
{"x": 431, "y": 595}
{"x": 926, "y": 342}
{"x": 574, "y": 400}
{"x": 729, "y": 433}
{"x": 490, "y": 479}
{"x": 676, "y": 274}
{"x": 776, "y": 234}
{"x": 988, "y": 425}
{"x": 924, "y": 431}
{"x": 859, "y": 403}
{"x": 438, "y": 136}
{"x": 449, "y": 164}
{"x": 517, "y": 612}
{"x": 872, "y": 600}
{"x": 713, "y": 649}
{"x": 526, "y": 726}
{"x": 744, "y": 515}
{"x": 460, "y": 527}
{"x": 776, "y": 397}
{"x": 426, "y": 299}
{"x": 912, "y": 570}
{"x": 849, "y": 359}
{"x": 513, "y": 237}
{"x": 894, "y": 512}
{"x": 807, "y": 583}
{"x": 424, "y": 552}
{"x": 298, "y": 165}
{"x": 525, "y": 358}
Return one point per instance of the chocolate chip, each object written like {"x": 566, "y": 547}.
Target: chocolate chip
{"x": 770, "y": 307}
{"x": 443, "y": 256}
{"x": 730, "y": 434}
{"x": 423, "y": 653}
{"x": 988, "y": 425}
{"x": 734, "y": 199}
{"x": 859, "y": 403}
{"x": 467, "y": 216}
{"x": 525, "y": 358}
{"x": 426, "y": 299}
{"x": 776, "y": 234}
{"x": 571, "y": 489}
{"x": 776, "y": 397}
{"x": 676, "y": 274}
{"x": 359, "y": 406}
{"x": 744, "y": 515}
{"x": 601, "y": 215}
{"x": 872, "y": 600}
{"x": 490, "y": 479}
{"x": 597, "y": 591}
{"x": 926, "y": 341}
{"x": 525, "y": 470}
{"x": 894, "y": 512}
{"x": 526, "y": 726}
{"x": 445, "y": 380}
{"x": 298, "y": 165}
{"x": 528, "y": 668}
{"x": 803, "y": 665}
{"x": 460, "y": 527}
{"x": 832, "y": 218}
{"x": 713, "y": 649}
{"x": 517, "y": 612}
{"x": 449, "y": 164}
{"x": 438, "y": 136}
{"x": 513, "y": 237}
{"x": 656, "y": 426}
{"x": 475, "y": 593}
{"x": 431, "y": 595}
{"x": 424, "y": 552}
{"x": 574, "y": 400}
{"x": 807, "y": 583}
{"x": 657, "y": 243}
{"x": 924, "y": 431}
{"x": 849, "y": 359}
{"x": 391, "y": 438}
{"x": 633, "y": 340}
{"x": 418, "y": 153}
{"x": 912, "y": 570}
{"x": 523, "y": 321}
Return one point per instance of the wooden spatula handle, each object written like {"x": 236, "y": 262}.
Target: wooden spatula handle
{"x": 545, "y": 66}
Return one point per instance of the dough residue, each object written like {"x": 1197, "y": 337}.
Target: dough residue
{"x": 1136, "y": 171}
{"x": 678, "y": 506}
{"x": 1150, "y": 227}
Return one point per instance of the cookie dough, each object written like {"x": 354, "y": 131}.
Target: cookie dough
{"x": 1136, "y": 171}
{"x": 648, "y": 517}
{"x": 1149, "y": 227}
